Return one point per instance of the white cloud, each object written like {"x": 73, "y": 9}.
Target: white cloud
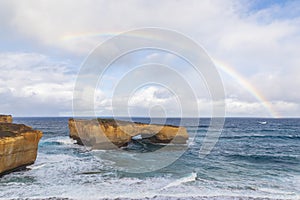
{"x": 262, "y": 45}
{"x": 279, "y": 86}
{"x": 141, "y": 102}
{"x": 239, "y": 108}
{"x": 49, "y": 22}
{"x": 288, "y": 109}
{"x": 31, "y": 84}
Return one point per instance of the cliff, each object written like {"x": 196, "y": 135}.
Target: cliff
{"x": 102, "y": 133}
{"x": 18, "y": 145}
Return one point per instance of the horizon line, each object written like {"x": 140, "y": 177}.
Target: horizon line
{"x": 170, "y": 117}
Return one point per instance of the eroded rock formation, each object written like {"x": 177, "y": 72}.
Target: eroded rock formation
{"x": 108, "y": 133}
{"x": 5, "y": 119}
{"x": 18, "y": 145}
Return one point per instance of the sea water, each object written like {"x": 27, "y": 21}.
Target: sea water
{"x": 253, "y": 159}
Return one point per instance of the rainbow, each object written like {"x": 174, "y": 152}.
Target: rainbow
{"x": 220, "y": 65}
{"x": 250, "y": 88}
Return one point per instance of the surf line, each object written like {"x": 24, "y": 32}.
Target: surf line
{"x": 249, "y": 87}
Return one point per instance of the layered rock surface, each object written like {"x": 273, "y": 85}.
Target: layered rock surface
{"x": 6, "y": 119}
{"x": 18, "y": 145}
{"x": 109, "y": 133}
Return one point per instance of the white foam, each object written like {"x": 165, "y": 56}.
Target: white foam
{"x": 189, "y": 178}
{"x": 32, "y": 167}
{"x": 191, "y": 143}
{"x": 137, "y": 137}
{"x": 93, "y": 187}
{"x": 263, "y": 123}
{"x": 275, "y": 191}
{"x": 66, "y": 141}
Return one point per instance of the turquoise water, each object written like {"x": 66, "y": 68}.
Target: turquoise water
{"x": 253, "y": 158}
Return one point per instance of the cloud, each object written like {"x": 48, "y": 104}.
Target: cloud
{"x": 33, "y": 85}
{"x": 240, "y": 108}
{"x": 279, "y": 86}
{"x": 261, "y": 43}
{"x": 64, "y": 25}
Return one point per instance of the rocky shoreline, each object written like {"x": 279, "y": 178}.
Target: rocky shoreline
{"x": 18, "y": 145}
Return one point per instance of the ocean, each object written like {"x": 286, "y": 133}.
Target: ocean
{"x": 253, "y": 159}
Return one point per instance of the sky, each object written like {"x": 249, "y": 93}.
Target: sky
{"x": 254, "y": 45}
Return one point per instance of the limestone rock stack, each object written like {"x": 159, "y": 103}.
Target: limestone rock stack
{"x": 109, "y": 133}
{"x": 18, "y": 145}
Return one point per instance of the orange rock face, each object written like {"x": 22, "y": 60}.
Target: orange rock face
{"x": 5, "y": 119}
{"x": 109, "y": 134}
{"x": 18, "y": 146}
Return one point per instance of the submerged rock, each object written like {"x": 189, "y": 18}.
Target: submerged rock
{"x": 110, "y": 133}
{"x": 18, "y": 145}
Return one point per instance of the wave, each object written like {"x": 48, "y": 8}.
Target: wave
{"x": 58, "y": 141}
{"x": 262, "y": 136}
{"x": 66, "y": 141}
{"x": 268, "y": 130}
{"x": 203, "y": 126}
{"x": 191, "y": 177}
{"x": 142, "y": 146}
{"x": 263, "y": 122}
{"x": 169, "y": 197}
{"x": 34, "y": 166}
{"x": 267, "y": 158}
